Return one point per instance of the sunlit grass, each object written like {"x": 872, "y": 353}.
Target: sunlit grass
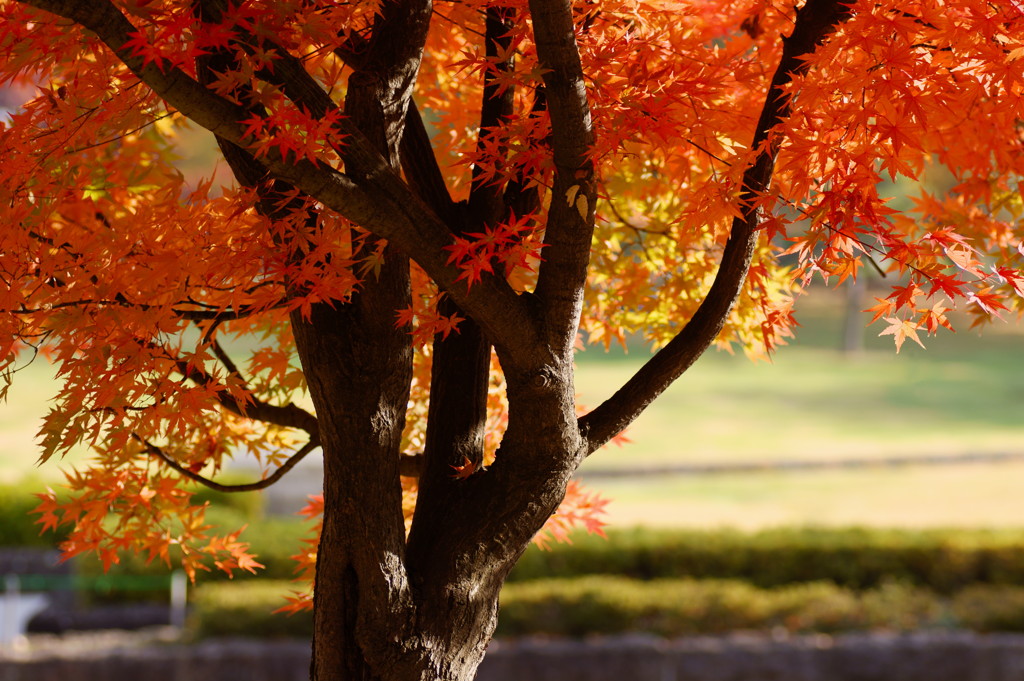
{"x": 964, "y": 394}
{"x": 971, "y": 496}
{"x": 811, "y": 403}
{"x": 20, "y": 419}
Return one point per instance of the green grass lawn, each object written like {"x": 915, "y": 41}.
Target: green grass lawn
{"x": 963, "y": 394}
{"x": 968, "y": 496}
{"x": 20, "y": 418}
{"x": 812, "y": 402}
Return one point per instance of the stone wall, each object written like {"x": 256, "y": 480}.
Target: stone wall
{"x": 934, "y": 656}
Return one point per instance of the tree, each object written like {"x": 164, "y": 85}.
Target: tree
{"x": 432, "y": 206}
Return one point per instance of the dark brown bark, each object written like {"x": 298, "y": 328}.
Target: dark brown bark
{"x": 362, "y": 607}
{"x": 570, "y": 222}
{"x": 455, "y": 603}
{"x": 359, "y": 368}
{"x": 460, "y": 362}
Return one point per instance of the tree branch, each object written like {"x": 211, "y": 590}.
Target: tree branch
{"x": 381, "y": 85}
{"x": 421, "y": 170}
{"x": 485, "y": 198}
{"x": 460, "y": 363}
{"x": 521, "y": 196}
{"x": 815, "y": 21}
{"x": 381, "y": 202}
{"x": 213, "y": 313}
{"x": 419, "y": 164}
{"x": 220, "y": 487}
{"x": 188, "y": 315}
{"x": 287, "y": 416}
{"x": 570, "y": 226}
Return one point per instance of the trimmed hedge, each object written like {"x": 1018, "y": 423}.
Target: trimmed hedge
{"x": 990, "y": 608}
{"x": 610, "y": 605}
{"x": 857, "y": 558}
{"x": 249, "y": 505}
{"x": 18, "y": 526}
{"x": 246, "y": 609}
{"x": 944, "y": 561}
{"x": 273, "y": 541}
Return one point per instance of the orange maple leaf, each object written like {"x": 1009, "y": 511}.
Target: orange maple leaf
{"x": 465, "y": 470}
{"x": 47, "y": 505}
{"x": 900, "y": 330}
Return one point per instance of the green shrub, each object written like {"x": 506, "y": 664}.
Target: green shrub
{"x": 902, "y": 607}
{"x": 273, "y": 540}
{"x": 665, "y": 607}
{"x": 248, "y": 505}
{"x": 607, "y": 605}
{"x": 18, "y": 526}
{"x": 246, "y": 609}
{"x": 857, "y": 558}
{"x": 990, "y": 608}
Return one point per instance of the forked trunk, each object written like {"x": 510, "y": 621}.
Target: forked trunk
{"x": 356, "y": 639}
{"x": 382, "y": 611}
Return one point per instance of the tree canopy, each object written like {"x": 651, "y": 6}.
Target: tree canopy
{"x": 433, "y": 204}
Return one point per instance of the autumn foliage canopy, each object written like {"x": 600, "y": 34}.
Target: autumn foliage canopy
{"x": 167, "y": 304}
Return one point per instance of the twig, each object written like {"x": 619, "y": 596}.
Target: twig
{"x": 220, "y": 487}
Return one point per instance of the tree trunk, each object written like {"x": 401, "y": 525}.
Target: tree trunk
{"x": 853, "y": 322}
{"x": 385, "y": 610}
{"x": 382, "y": 612}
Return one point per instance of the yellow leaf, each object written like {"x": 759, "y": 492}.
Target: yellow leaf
{"x": 570, "y": 194}
{"x": 900, "y": 330}
{"x": 581, "y": 206}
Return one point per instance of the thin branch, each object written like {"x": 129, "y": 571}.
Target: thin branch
{"x": 522, "y": 196}
{"x": 249, "y": 407}
{"x": 460, "y": 363}
{"x": 419, "y": 163}
{"x": 421, "y": 169}
{"x": 210, "y": 313}
{"x": 639, "y": 231}
{"x": 220, "y": 487}
{"x": 225, "y": 359}
{"x": 115, "y": 138}
{"x": 457, "y": 25}
{"x": 188, "y": 315}
{"x": 694, "y": 144}
{"x": 485, "y": 198}
{"x": 287, "y": 416}
{"x": 227, "y": 315}
{"x": 815, "y": 21}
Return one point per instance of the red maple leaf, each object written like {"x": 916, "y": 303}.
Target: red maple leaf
{"x": 465, "y": 470}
